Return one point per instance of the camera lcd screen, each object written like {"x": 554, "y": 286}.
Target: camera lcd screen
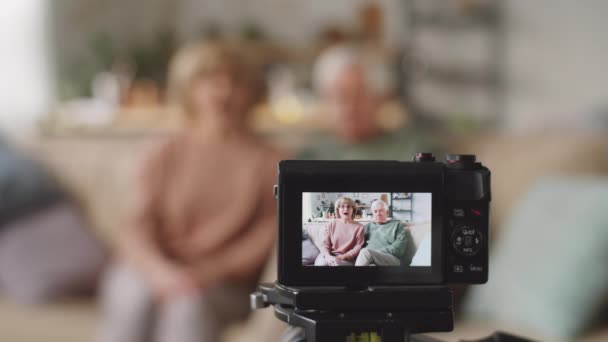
{"x": 386, "y": 229}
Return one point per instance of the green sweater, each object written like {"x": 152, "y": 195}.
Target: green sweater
{"x": 388, "y": 237}
{"x": 398, "y": 145}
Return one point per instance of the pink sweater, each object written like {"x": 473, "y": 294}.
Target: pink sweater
{"x": 206, "y": 205}
{"x": 345, "y": 239}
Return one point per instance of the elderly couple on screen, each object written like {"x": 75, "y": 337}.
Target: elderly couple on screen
{"x": 344, "y": 238}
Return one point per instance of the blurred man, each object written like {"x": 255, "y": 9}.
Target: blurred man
{"x": 357, "y": 88}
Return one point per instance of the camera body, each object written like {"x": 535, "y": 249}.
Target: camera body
{"x": 443, "y": 206}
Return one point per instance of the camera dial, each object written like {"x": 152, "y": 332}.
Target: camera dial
{"x": 461, "y": 161}
{"x": 466, "y": 240}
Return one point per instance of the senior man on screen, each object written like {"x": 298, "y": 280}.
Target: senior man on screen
{"x": 386, "y": 239}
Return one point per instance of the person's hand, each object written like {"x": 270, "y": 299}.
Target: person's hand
{"x": 332, "y": 260}
{"x": 170, "y": 281}
{"x": 340, "y": 257}
{"x": 187, "y": 250}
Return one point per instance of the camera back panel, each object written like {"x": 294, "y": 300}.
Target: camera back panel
{"x": 458, "y": 192}
{"x": 466, "y": 224}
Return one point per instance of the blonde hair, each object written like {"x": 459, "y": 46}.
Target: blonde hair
{"x": 198, "y": 60}
{"x": 345, "y": 200}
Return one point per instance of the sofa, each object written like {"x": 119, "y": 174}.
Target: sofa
{"x": 415, "y": 235}
{"x": 98, "y": 171}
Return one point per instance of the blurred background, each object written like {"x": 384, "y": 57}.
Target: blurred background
{"x": 519, "y": 83}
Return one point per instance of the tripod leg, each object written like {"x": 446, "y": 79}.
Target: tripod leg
{"x": 293, "y": 334}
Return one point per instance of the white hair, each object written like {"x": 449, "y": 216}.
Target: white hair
{"x": 377, "y": 203}
{"x": 335, "y": 59}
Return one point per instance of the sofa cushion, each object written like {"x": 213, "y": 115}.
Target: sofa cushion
{"x": 48, "y": 255}
{"x": 313, "y": 231}
{"x": 309, "y": 252}
{"x": 548, "y": 270}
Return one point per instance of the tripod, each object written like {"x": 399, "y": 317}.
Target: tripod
{"x": 373, "y": 314}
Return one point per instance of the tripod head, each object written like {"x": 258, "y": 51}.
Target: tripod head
{"x": 370, "y": 314}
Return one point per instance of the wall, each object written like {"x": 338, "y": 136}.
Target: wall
{"x": 420, "y": 204}
{"x": 422, "y": 207}
{"x": 556, "y": 62}
{"x": 555, "y": 50}
{"x": 331, "y": 197}
{"x": 292, "y": 22}
{"x": 26, "y": 87}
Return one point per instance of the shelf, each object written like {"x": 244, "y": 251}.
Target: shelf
{"x": 457, "y": 15}
{"x": 461, "y": 21}
{"x": 447, "y": 20}
{"x": 401, "y": 196}
{"x": 457, "y": 76}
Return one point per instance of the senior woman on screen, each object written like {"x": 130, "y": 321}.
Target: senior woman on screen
{"x": 342, "y": 237}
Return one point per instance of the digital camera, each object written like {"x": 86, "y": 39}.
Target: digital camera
{"x": 358, "y": 224}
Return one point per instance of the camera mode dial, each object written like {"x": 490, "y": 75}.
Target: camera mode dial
{"x": 466, "y": 240}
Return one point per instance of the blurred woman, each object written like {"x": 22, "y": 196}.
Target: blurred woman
{"x": 204, "y": 225}
{"x": 342, "y": 237}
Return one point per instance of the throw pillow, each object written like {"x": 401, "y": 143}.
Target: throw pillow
{"x": 548, "y": 269}
{"x": 48, "y": 255}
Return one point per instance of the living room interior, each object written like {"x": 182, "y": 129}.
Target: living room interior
{"x": 519, "y": 84}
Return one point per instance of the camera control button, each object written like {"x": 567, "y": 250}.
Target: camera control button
{"x": 466, "y": 240}
{"x": 275, "y": 191}
{"x": 424, "y": 157}
{"x": 458, "y": 212}
{"x": 476, "y": 212}
{"x": 462, "y": 161}
{"x": 475, "y": 268}
{"x": 455, "y": 158}
{"x": 458, "y": 269}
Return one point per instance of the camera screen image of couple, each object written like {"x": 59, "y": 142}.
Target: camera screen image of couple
{"x": 366, "y": 229}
